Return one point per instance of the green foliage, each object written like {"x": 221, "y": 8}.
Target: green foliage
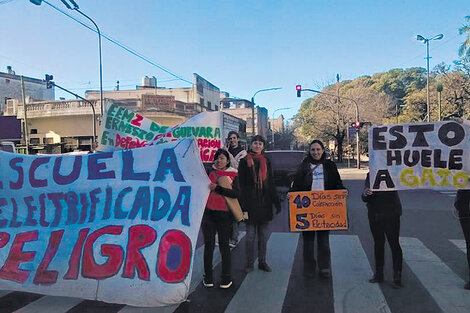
{"x": 464, "y": 50}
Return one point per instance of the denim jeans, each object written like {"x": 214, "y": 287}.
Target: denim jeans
{"x": 251, "y": 230}
{"x": 391, "y": 228}
{"x": 216, "y": 222}
{"x": 323, "y": 243}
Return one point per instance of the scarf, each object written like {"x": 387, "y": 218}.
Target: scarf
{"x": 262, "y": 175}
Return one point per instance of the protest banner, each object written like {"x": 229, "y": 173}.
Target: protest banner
{"x": 420, "y": 156}
{"x": 125, "y": 129}
{"x": 318, "y": 210}
{"x": 117, "y": 226}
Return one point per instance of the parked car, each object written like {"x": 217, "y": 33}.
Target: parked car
{"x": 285, "y": 164}
{"x": 7, "y": 146}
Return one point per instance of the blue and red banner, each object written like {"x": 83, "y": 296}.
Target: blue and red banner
{"x": 118, "y": 226}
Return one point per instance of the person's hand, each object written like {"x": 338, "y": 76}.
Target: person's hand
{"x": 212, "y": 186}
{"x": 367, "y": 192}
{"x": 245, "y": 215}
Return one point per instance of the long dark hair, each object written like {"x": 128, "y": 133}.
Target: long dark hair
{"x": 309, "y": 156}
{"x": 224, "y": 152}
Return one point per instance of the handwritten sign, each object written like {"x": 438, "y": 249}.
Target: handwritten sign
{"x": 125, "y": 129}
{"x": 116, "y": 226}
{"x": 318, "y": 210}
{"x": 420, "y": 156}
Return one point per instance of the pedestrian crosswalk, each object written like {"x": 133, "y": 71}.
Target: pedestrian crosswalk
{"x": 260, "y": 292}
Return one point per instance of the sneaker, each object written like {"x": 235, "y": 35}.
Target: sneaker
{"x": 264, "y": 267}
{"x": 232, "y": 243}
{"x": 467, "y": 286}
{"x": 377, "y": 278}
{"x": 225, "y": 283}
{"x": 208, "y": 283}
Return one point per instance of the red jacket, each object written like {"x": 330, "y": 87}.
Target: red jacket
{"x": 216, "y": 199}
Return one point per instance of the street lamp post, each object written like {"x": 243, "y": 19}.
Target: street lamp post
{"x": 426, "y": 41}
{"x": 439, "y": 91}
{"x": 357, "y": 119}
{"x": 77, "y": 8}
{"x": 93, "y": 142}
{"x": 253, "y": 108}
{"x": 272, "y": 128}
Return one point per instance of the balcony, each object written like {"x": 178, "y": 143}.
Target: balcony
{"x": 57, "y": 108}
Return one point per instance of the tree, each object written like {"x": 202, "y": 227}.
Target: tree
{"x": 464, "y": 50}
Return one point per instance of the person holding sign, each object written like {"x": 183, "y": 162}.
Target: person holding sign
{"x": 218, "y": 219}
{"x": 236, "y": 154}
{"x": 257, "y": 197}
{"x": 384, "y": 211}
{"x": 317, "y": 173}
{"x": 462, "y": 204}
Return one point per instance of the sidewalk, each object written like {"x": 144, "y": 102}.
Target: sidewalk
{"x": 343, "y": 166}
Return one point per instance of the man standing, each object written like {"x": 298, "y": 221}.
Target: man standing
{"x": 236, "y": 154}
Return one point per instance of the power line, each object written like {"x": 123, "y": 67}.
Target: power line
{"x": 130, "y": 50}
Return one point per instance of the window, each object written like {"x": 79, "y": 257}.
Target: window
{"x": 34, "y": 131}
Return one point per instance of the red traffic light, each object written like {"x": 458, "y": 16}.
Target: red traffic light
{"x": 299, "y": 90}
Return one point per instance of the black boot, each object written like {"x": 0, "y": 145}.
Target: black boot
{"x": 378, "y": 276}
{"x": 397, "y": 279}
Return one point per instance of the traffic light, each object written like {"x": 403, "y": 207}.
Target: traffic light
{"x": 299, "y": 90}
{"x": 357, "y": 124}
{"x": 49, "y": 82}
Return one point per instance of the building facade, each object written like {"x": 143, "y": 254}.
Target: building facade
{"x": 242, "y": 108}
{"x": 67, "y": 125}
{"x": 11, "y": 88}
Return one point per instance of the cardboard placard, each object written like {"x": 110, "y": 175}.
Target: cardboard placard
{"x": 318, "y": 210}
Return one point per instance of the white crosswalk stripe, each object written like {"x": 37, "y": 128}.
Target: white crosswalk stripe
{"x": 196, "y": 279}
{"x": 459, "y": 243}
{"x": 450, "y": 193}
{"x": 352, "y": 292}
{"x": 439, "y": 280}
{"x": 259, "y": 285}
{"x": 350, "y": 271}
{"x": 50, "y": 304}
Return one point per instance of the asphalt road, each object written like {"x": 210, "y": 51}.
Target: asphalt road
{"x": 434, "y": 269}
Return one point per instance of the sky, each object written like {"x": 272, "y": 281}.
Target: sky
{"x": 239, "y": 46}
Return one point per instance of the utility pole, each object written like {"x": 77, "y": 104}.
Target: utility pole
{"x": 25, "y": 125}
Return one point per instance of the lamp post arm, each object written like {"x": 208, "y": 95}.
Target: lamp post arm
{"x": 253, "y": 107}
{"x": 92, "y": 108}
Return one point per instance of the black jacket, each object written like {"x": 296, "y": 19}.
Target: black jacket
{"x": 258, "y": 203}
{"x": 462, "y": 202}
{"x": 303, "y": 177}
{"x": 381, "y": 205}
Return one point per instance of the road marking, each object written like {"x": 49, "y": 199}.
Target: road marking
{"x": 265, "y": 292}
{"x": 3, "y": 293}
{"x": 50, "y": 304}
{"x": 439, "y": 280}
{"x": 196, "y": 279}
{"x": 449, "y": 193}
{"x": 459, "y": 243}
{"x": 351, "y": 270}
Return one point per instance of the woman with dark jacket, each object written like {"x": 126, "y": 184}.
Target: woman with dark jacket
{"x": 317, "y": 173}
{"x": 384, "y": 211}
{"x": 218, "y": 219}
{"x": 462, "y": 204}
{"x": 257, "y": 197}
